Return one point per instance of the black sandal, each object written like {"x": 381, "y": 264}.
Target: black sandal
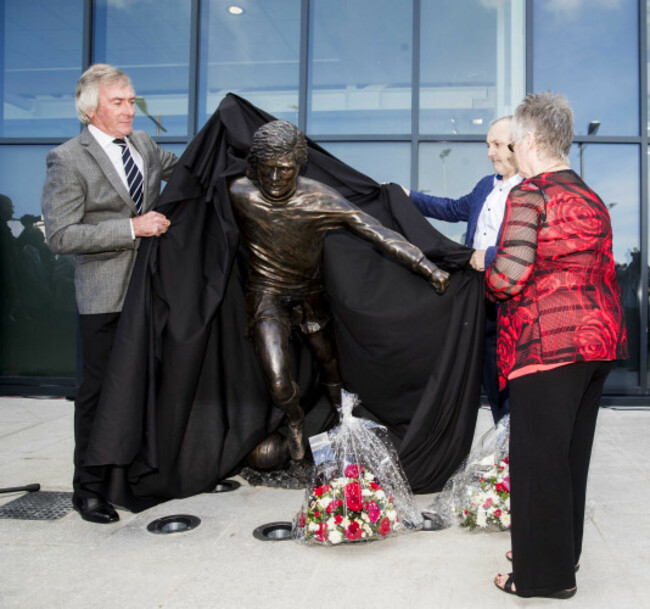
{"x": 560, "y": 594}
{"x": 507, "y": 586}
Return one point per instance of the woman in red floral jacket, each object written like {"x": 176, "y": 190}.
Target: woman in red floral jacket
{"x": 561, "y": 327}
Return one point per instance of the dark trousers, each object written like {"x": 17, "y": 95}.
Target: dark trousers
{"x": 97, "y": 333}
{"x": 498, "y": 400}
{"x": 552, "y": 423}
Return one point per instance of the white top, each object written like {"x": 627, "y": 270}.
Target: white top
{"x": 491, "y": 216}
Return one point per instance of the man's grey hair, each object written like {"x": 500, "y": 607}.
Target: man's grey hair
{"x": 550, "y": 119}
{"x": 91, "y": 81}
{"x": 273, "y": 140}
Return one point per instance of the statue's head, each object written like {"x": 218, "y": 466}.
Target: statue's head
{"x": 277, "y": 153}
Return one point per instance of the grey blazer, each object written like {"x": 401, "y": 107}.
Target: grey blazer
{"x": 87, "y": 211}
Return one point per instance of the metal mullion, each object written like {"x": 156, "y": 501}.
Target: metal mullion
{"x": 415, "y": 97}
{"x": 643, "y": 151}
{"x": 303, "y": 77}
{"x": 193, "y": 84}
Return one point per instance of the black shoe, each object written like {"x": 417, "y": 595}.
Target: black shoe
{"x": 94, "y": 509}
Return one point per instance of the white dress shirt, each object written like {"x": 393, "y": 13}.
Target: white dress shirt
{"x": 114, "y": 153}
{"x": 491, "y": 216}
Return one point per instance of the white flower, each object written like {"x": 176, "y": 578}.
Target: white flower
{"x": 481, "y": 520}
{"x": 313, "y": 526}
{"x": 335, "y": 537}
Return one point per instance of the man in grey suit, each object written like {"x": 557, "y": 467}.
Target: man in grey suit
{"x": 98, "y": 193}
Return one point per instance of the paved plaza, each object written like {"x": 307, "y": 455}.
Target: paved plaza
{"x": 71, "y": 564}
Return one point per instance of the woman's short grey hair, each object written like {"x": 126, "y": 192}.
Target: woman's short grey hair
{"x": 550, "y": 119}
{"x": 87, "y": 93}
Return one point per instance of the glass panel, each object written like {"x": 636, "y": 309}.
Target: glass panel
{"x": 151, "y": 43}
{"x": 360, "y": 67}
{"x": 590, "y": 52}
{"x": 40, "y": 56}
{"x": 253, "y": 53}
{"x": 612, "y": 171}
{"x": 383, "y": 162}
{"x": 37, "y": 306}
{"x": 452, "y": 170}
{"x": 472, "y": 63}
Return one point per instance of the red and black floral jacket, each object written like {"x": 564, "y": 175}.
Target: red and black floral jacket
{"x": 554, "y": 271}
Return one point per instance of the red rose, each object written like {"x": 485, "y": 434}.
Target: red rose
{"x": 338, "y": 518}
{"x": 384, "y": 527}
{"x": 497, "y": 513}
{"x": 321, "y": 534}
{"x": 333, "y": 505}
{"x": 353, "y": 471}
{"x": 509, "y": 333}
{"x": 596, "y": 336}
{"x": 374, "y": 486}
{"x": 322, "y": 489}
{"x": 353, "y": 496}
{"x": 303, "y": 519}
{"x": 569, "y": 217}
{"x": 354, "y": 531}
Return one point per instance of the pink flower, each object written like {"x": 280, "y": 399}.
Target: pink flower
{"x": 353, "y": 471}
{"x": 353, "y": 532}
{"x": 373, "y": 511}
{"x": 506, "y": 483}
{"x": 497, "y": 513}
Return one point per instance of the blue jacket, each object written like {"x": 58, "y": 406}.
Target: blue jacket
{"x": 465, "y": 209}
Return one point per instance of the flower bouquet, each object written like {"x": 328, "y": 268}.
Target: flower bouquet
{"x": 478, "y": 494}
{"x": 358, "y": 490}
{"x": 489, "y": 505}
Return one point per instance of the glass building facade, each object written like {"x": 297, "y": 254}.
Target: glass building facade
{"x": 402, "y": 90}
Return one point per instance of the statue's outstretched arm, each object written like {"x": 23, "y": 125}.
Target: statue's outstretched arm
{"x": 394, "y": 244}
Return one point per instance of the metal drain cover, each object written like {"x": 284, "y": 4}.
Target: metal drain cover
{"x": 273, "y": 531}
{"x": 179, "y": 523}
{"x": 42, "y": 505}
{"x": 225, "y": 486}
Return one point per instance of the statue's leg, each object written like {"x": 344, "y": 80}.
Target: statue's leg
{"x": 271, "y": 340}
{"x": 324, "y": 349}
{"x": 316, "y": 325}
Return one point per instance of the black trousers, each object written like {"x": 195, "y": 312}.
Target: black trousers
{"x": 97, "y": 334}
{"x": 552, "y": 423}
{"x": 498, "y": 400}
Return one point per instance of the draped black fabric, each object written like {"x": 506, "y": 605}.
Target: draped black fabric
{"x": 184, "y": 401}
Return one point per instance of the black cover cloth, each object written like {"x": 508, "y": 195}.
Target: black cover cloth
{"x": 184, "y": 401}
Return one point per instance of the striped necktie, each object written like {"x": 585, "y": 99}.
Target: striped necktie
{"x": 133, "y": 175}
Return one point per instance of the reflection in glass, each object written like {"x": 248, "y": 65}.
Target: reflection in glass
{"x": 589, "y": 51}
{"x": 360, "y": 67}
{"x": 472, "y": 63}
{"x": 452, "y": 170}
{"x": 254, "y": 54}
{"x": 37, "y": 306}
{"x": 383, "y": 162}
{"x": 612, "y": 171}
{"x": 41, "y": 60}
{"x": 151, "y": 43}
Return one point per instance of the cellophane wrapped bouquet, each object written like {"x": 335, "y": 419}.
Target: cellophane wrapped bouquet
{"x": 477, "y": 496}
{"x": 358, "y": 490}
